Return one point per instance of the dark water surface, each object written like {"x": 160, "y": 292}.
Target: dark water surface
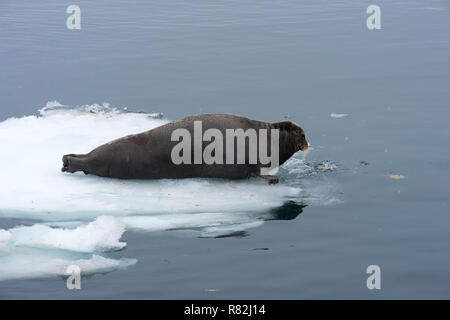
{"x": 298, "y": 59}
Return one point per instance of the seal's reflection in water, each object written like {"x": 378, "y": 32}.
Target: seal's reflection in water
{"x": 288, "y": 211}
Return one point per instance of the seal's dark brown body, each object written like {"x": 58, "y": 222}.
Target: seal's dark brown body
{"x": 148, "y": 155}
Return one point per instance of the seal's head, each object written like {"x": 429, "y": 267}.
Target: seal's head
{"x": 292, "y": 139}
{"x": 292, "y": 134}
{"x": 299, "y": 137}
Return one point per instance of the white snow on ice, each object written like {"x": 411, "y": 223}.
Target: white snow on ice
{"x": 82, "y": 218}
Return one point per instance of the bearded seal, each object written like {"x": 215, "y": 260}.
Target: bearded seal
{"x": 159, "y": 154}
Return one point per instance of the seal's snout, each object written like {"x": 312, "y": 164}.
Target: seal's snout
{"x": 303, "y": 145}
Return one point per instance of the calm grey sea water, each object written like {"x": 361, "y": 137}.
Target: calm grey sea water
{"x": 265, "y": 60}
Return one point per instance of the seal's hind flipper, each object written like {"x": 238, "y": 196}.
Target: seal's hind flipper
{"x": 270, "y": 179}
{"x": 73, "y": 163}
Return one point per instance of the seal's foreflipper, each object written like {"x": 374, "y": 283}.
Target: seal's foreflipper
{"x": 270, "y": 179}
